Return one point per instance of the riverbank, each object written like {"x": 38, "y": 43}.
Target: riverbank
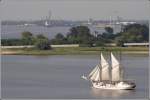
{"x": 73, "y": 50}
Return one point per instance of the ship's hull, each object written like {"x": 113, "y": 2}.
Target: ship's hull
{"x": 116, "y": 86}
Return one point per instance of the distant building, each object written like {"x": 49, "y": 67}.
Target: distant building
{"x": 136, "y": 44}
{"x": 125, "y": 23}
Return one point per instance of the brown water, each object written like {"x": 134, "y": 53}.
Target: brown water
{"x": 59, "y": 77}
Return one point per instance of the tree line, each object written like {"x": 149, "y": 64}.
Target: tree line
{"x": 81, "y": 35}
{"x": 40, "y": 41}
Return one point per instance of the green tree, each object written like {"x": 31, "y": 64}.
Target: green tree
{"x": 11, "y": 42}
{"x": 41, "y": 36}
{"x": 108, "y": 34}
{"x": 138, "y": 31}
{"x": 59, "y": 36}
{"x": 27, "y": 38}
{"x": 59, "y": 39}
{"x": 81, "y": 35}
{"x": 119, "y": 41}
{"x": 139, "y": 38}
{"x": 99, "y": 43}
{"x": 109, "y": 30}
{"x": 42, "y": 43}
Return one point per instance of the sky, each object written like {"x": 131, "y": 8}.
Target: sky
{"x": 74, "y": 9}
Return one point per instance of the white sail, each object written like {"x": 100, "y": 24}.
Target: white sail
{"x": 95, "y": 75}
{"x": 105, "y": 68}
{"x": 115, "y": 68}
{"x": 115, "y": 62}
{"x": 116, "y": 74}
{"x": 93, "y": 71}
{"x": 98, "y": 78}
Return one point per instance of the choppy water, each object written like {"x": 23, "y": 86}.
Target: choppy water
{"x": 59, "y": 77}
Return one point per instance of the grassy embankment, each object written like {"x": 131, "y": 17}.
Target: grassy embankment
{"x": 74, "y": 50}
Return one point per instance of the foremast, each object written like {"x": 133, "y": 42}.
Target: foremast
{"x": 116, "y": 70}
{"x": 105, "y": 69}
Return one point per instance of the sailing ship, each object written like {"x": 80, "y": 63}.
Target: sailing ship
{"x": 105, "y": 77}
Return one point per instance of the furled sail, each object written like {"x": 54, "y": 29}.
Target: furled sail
{"x": 105, "y": 68}
{"x": 115, "y": 68}
{"x": 95, "y": 75}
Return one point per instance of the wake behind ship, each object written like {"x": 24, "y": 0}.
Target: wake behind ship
{"x": 105, "y": 77}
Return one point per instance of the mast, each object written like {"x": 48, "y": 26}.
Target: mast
{"x": 48, "y": 18}
{"x": 100, "y": 67}
{"x": 121, "y": 68}
{"x": 115, "y": 68}
{"x": 110, "y": 67}
{"x": 105, "y": 69}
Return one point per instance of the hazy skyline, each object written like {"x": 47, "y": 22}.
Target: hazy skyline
{"x": 74, "y": 9}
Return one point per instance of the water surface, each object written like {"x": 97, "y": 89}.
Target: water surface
{"x": 59, "y": 77}
{"x": 14, "y": 31}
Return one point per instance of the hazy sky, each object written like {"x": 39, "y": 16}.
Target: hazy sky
{"x": 74, "y": 9}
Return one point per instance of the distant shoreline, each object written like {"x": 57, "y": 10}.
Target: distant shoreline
{"x": 74, "y": 50}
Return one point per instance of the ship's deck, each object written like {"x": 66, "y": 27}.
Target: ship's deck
{"x": 114, "y": 82}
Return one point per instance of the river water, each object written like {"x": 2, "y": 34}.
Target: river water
{"x": 14, "y": 31}
{"x": 59, "y": 77}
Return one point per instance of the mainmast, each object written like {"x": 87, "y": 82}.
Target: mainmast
{"x": 116, "y": 76}
{"x": 121, "y": 68}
